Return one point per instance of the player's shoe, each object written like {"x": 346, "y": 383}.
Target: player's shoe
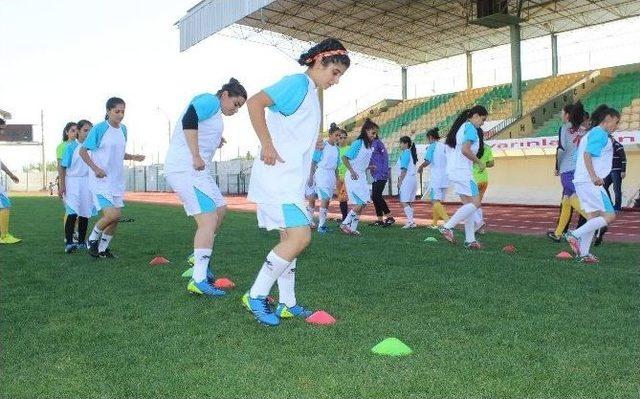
{"x": 389, "y": 221}
{"x": 474, "y": 245}
{"x": 323, "y": 229}
{"x": 409, "y": 226}
{"x": 204, "y": 288}
{"x": 345, "y": 229}
{"x": 9, "y": 239}
{"x": 574, "y": 242}
{"x": 447, "y": 234}
{"x": 285, "y": 312}
{"x": 262, "y": 311}
{"x": 107, "y": 254}
{"x": 553, "y": 237}
{"x": 70, "y": 248}
{"x": 589, "y": 259}
{"x": 93, "y": 248}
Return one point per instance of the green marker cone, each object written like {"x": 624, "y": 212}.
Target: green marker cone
{"x": 188, "y": 273}
{"x": 391, "y": 347}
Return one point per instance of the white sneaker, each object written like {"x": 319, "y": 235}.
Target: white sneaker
{"x": 409, "y": 226}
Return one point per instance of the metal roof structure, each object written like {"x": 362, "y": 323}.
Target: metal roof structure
{"x": 407, "y": 32}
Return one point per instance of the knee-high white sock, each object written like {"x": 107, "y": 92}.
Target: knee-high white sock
{"x": 311, "y": 211}
{"x": 95, "y": 233}
{"x": 347, "y": 221}
{"x": 585, "y": 244}
{"x": 271, "y": 269}
{"x": 105, "y": 239}
{"x": 461, "y": 215}
{"x": 479, "y": 217}
{"x": 354, "y": 223}
{"x": 469, "y": 230}
{"x": 322, "y": 218}
{"x": 589, "y": 227}
{"x": 408, "y": 210}
{"x": 287, "y": 285}
{"x": 202, "y": 256}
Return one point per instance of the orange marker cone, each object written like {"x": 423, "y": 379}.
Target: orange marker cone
{"x": 564, "y": 255}
{"x": 509, "y": 249}
{"x": 321, "y": 317}
{"x": 158, "y": 260}
{"x": 224, "y": 283}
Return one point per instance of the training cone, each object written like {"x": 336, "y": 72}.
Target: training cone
{"x": 158, "y": 260}
{"x": 321, "y": 317}
{"x": 509, "y": 249}
{"x": 430, "y": 239}
{"x": 188, "y": 273}
{"x": 564, "y": 255}
{"x": 224, "y": 283}
{"x": 392, "y": 347}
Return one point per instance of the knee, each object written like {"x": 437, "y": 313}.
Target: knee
{"x": 609, "y": 217}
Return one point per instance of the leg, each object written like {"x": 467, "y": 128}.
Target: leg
{"x": 376, "y": 196}
{"x": 617, "y": 189}
{"x": 464, "y": 213}
{"x": 83, "y": 223}
{"x": 203, "y": 244}
{"x": 69, "y": 227}
{"x": 103, "y": 231}
{"x": 322, "y": 215}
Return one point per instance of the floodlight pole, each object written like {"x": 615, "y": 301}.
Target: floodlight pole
{"x": 403, "y": 71}
{"x": 554, "y": 54}
{"x": 44, "y": 166}
{"x": 469, "y": 70}
{"x": 516, "y": 70}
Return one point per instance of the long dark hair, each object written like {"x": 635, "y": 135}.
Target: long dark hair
{"x": 480, "y": 152}
{"x": 460, "y": 120}
{"x": 328, "y": 51}
{"x": 434, "y": 133}
{"x": 65, "y": 131}
{"x": 412, "y": 147}
{"x": 576, "y": 115}
{"x": 233, "y": 89}
{"x": 368, "y": 125}
{"x": 112, "y": 103}
{"x": 602, "y": 112}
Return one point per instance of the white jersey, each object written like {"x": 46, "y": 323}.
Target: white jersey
{"x": 294, "y": 123}
{"x": 210, "y": 128}
{"x": 406, "y": 162}
{"x": 459, "y": 167}
{"x": 436, "y": 155}
{"x": 359, "y": 157}
{"x": 71, "y": 161}
{"x": 597, "y": 143}
{"x": 107, "y": 145}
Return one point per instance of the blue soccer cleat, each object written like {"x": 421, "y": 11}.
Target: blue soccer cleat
{"x": 285, "y": 312}
{"x": 70, "y": 248}
{"x": 204, "y": 288}
{"x": 323, "y": 229}
{"x": 262, "y": 311}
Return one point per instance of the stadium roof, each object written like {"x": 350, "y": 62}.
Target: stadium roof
{"x": 407, "y": 32}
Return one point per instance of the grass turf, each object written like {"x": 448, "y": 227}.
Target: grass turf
{"x": 481, "y": 324}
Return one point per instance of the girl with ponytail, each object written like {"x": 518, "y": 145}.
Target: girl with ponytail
{"x": 436, "y": 158}
{"x": 407, "y": 181}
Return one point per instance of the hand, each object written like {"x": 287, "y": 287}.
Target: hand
{"x": 138, "y": 158}
{"x": 597, "y": 181}
{"x": 623, "y": 174}
{"x": 15, "y": 179}
{"x": 354, "y": 175}
{"x": 269, "y": 155}
{"x": 99, "y": 173}
{"x": 222, "y": 142}
{"x": 198, "y": 163}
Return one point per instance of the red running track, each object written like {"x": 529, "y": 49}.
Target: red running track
{"x": 532, "y": 220}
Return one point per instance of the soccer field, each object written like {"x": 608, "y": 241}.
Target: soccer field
{"x": 481, "y": 324}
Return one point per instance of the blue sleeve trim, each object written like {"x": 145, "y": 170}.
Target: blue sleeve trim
{"x": 288, "y": 94}
{"x": 354, "y": 149}
{"x": 124, "y": 131}
{"x": 428, "y": 156}
{"x": 94, "y": 138}
{"x": 206, "y": 105}
{"x": 405, "y": 158}
{"x": 67, "y": 158}
{"x": 470, "y": 133}
{"x": 317, "y": 156}
{"x": 596, "y": 141}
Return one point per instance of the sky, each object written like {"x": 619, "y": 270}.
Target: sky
{"x": 67, "y": 57}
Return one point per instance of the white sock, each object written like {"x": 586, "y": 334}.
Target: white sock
{"x": 104, "y": 242}
{"x": 349, "y": 218}
{"x": 95, "y": 233}
{"x": 311, "y": 211}
{"x": 322, "y": 218}
{"x": 271, "y": 269}
{"x": 590, "y": 226}
{"x": 287, "y": 285}
{"x": 585, "y": 244}
{"x": 202, "y": 256}
{"x": 461, "y": 215}
{"x": 469, "y": 230}
{"x": 409, "y": 212}
{"x": 354, "y": 223}
{"x": 479, "y": 217}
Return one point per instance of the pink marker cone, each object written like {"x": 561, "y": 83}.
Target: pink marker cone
{"x": 322, "y": 318}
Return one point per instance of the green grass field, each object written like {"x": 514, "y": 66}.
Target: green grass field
{"x": 481, "y": 324}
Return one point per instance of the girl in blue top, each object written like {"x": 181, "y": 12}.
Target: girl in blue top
{"x": 407, "y": 182}
{"x": 288, "y": 135}
{"x": 436, "y": 158}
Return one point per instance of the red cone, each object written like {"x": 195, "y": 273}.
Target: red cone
{"x": 509, "y": 249}
{"x": 322, "y": 318}
{"x": 564, "y": 255}
{"x": 158, "y": 260}
{"x": 224, "y": 283}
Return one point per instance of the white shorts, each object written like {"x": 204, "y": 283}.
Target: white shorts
{"x": 325, "y": 184}
{"x": 467, "y": 187}
{"x": 107, "y": 200}
{"x": 434, "y": 194}
{"x": 78, "y": 199}
{"x": 197, "y": 191}
{"x": 593, "y": 198}
{"x": 408, "y": 189}
{"x": 357, "y": 190}
{"x": 282, "y": 216}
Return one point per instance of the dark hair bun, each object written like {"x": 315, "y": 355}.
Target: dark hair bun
{"x": 333, "y": 125}
{"x": 308, "y": 58}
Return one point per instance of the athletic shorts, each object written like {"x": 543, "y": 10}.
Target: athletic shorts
{"x": 408, "y": 189}
{"x": 282, "y": 216}
{"x": 436, "y": 194}
{"x": 4, "y": 199}
{"x": 566, "y": 179}
{"x": 358, "y": 191}
{"x": 467, "y": 187}
{"x": 310, "y": 191}
{"x": 593, "y": 198}
{"x": 325, "y": 184}
{"x": 197, "y": 191}
{"x": 78, "y": 199}
{"x": 107, "y": 200}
